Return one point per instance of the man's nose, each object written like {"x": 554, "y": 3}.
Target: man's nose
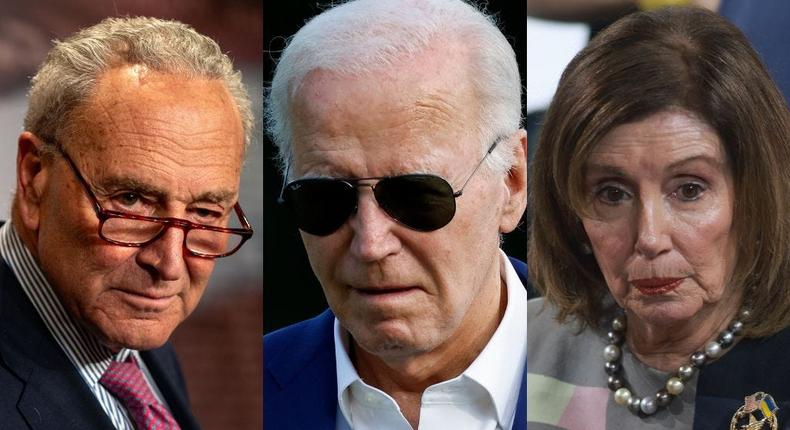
{"x": 654, "y": 224}
{"x": 373, "y": 238}
{"x": 165, "y": 255}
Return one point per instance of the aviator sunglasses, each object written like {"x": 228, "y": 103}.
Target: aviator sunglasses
{"x": 421, "y": 202}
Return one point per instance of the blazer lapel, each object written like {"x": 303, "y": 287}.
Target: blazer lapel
{"x": 50, "y": 392}
{"x": 300, "y": 379}
{"x": 163, "y": 366}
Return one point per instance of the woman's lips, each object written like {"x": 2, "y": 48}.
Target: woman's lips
{"x": 656, "y": 286}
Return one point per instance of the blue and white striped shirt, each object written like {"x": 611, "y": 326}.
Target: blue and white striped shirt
{"x": 89, "y": 356}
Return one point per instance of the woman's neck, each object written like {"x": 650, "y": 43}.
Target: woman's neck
{"x": 668, "y": 347}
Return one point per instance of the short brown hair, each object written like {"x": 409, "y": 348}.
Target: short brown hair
{"x": 675, "y": 58}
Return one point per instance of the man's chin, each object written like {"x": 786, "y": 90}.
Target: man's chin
{"x": 387, "y": 344}
{"x": 138, "y": 335}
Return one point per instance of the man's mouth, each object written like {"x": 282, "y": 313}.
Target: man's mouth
{"x": 384, "y": 290}
{"x": 155, "y": 301}
{"x": 384, "y": 293}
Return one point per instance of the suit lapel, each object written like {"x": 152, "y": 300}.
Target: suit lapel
{"x": 163, "y": 366}
{"x": 51, "y": 392}
{"x": 300, "y": 379}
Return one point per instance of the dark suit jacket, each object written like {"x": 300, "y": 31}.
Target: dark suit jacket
{"x": 300, "y": 379}
{"x": 40, "y": 389}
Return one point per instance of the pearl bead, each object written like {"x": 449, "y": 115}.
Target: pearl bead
{"x": 611, "y": 353}
{"x": 663, "y": 398}
{"x": 635, "y": 404}
{"x": 698, "y": 359}
{"x": 618, "y": 324}
{"x": 713, "y": 349}
{"x": 675, "y": 386}
{"x": 615, "y": 383}
{"x": 622, "y": 396}
{"x": 612, "y": 367}
{"x": 648, "y": 405}
{"x": 726, "y": 338}
{"x": 685, "y": 372}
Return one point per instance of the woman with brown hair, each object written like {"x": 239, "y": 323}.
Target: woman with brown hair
{"x": 659, "y": 236}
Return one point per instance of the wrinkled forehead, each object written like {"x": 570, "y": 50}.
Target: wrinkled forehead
{"x": 400, "y": 117}
{"x": 159, "y": 128}
{"x": 135, "y": 105}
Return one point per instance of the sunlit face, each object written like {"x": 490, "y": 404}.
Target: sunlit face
{"x": 661, "y": 196}
{"x": 151, "y": 144}
{"x": 401, "y": 292}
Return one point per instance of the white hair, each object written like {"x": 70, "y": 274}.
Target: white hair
{"x": 362, "y": 36}
{"x": 69, "y": 74}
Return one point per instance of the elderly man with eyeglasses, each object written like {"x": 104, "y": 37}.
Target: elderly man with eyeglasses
{"x": 127, "y": 191}
{"x": 398, "y": 127}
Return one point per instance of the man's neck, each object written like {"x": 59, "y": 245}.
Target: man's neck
{"x": 28, "y": 237}
{"x": 406, "y": 378}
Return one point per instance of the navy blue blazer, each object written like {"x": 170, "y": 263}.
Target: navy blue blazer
{"x": 300, "y": 379}
{"x": 40, "y": 389}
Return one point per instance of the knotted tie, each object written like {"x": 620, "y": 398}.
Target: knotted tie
{"x": 126, "y": 382}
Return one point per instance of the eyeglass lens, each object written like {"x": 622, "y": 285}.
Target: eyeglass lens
{"x": 138, "y": 231}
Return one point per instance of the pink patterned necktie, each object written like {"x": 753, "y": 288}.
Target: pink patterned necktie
{"x": 126, "y": 382}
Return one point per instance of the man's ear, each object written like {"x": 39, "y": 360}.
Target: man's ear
{"x": 516, "y": 182}
{"x": 31, "y": 179}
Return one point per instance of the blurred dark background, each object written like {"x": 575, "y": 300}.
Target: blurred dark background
{"x": 219, "y": 345}
{"x": 292, "y": 293}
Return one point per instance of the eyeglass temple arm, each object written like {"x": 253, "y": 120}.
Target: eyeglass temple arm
{"x": 245, "y": 224}
{"x": 94, "y": 201}
{"x": 280, "y": 199}
{"x": 480, "y": 163}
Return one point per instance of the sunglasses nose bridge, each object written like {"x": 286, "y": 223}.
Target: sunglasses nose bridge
{"x": 374, "y": 194}
{"x": 359, "y": 186}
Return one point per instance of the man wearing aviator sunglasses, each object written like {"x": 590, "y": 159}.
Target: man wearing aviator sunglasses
{"x": 398, "y": 125}
{"x": 127, "y": 192}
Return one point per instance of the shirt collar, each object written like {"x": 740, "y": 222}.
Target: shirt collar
{"x": 498, "y": 367}
{"x": 89, "y": 356}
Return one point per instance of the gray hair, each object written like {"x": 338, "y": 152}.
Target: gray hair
{"x": 362, "y": 36}
{"x": 69, "y": 74}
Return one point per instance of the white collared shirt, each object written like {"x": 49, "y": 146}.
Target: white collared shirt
{"x": 483, "y": 397}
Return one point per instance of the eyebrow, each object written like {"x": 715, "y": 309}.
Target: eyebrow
{"x": 607, "y": 169}
{"x": 615, "y": 171}
{"x": 161, "y": 194}
{"x": 707, "y": 159}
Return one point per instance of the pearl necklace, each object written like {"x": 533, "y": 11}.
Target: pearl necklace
{"x": 676, "y": 383}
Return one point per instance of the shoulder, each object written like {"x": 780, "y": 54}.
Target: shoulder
{"x": 561, "y": 351}
{"x": 290, "y": 349}
{"x": 299, "y": 381}
{"x": 753, "y": 363}
{"x": 313, "y": 331}
{"x": 751, "y": 366}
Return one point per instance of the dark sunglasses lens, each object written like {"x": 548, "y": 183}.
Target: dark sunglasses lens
{"x": 320, "y": 206}
{"x": 421, "y": 202}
